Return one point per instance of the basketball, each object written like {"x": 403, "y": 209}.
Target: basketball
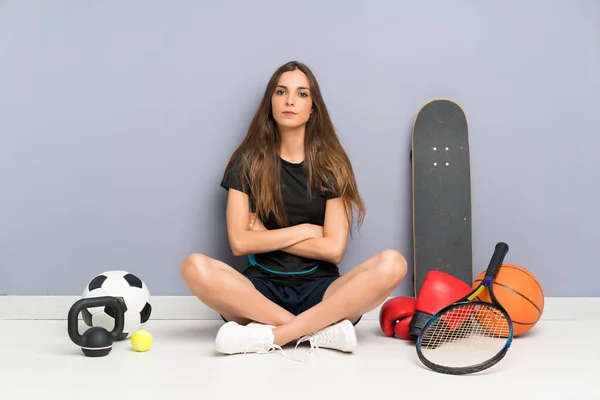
{"x": 492, "y": 321}
{"x": 520, "y": 293}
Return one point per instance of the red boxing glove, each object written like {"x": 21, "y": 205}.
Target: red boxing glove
{"x": 395, "y": 316}
{"x": 439, "y": 290}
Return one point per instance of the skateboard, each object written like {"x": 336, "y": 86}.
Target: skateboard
{"x": 441, "y": 192}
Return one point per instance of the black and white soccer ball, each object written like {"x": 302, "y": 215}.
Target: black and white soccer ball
{"x": 130, "y": 289}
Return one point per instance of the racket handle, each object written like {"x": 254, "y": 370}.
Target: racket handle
{"x": 497, "y": 260}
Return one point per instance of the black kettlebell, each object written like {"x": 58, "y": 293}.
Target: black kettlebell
{"x": 96, "y": 341}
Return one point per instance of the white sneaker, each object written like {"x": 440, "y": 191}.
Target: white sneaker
{"x": 259, "y": 325}
{"x": 234, "y": 338}
{"x": 340, "y": 336}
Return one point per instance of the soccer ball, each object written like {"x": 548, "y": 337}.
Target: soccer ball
{"x": 134, "y": 295}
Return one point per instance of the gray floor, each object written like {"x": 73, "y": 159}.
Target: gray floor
{"x": 38, "y": 360}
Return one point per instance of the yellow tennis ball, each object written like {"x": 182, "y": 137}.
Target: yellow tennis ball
{"x": 141, "y": 340}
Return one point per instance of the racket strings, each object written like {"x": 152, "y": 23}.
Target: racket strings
{"x": 465, "y": 336}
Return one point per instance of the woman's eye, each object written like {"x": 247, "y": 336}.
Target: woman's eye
{"x": 280, "y": 92}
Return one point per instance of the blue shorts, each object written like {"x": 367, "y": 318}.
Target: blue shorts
{"x": 295, "y": 299}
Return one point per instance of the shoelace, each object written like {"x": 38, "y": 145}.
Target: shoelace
{"x": 291, "y": 358}
{"x": 323, "y": 336}
{"x": 312, "y": 342}
{"x": 275, "y": 347}
{"x": 250, "y": 346}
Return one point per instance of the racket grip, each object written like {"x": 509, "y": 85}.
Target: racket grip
{"x": 497, "y": 259}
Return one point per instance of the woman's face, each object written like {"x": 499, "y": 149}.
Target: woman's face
{"x": 291, "y": 103}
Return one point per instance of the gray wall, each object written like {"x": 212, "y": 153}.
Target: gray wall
{"x": 117, "y": 119}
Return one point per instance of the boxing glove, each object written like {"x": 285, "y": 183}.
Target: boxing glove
{"x": 439, "y": 290}
{"x": 395, "y": 316}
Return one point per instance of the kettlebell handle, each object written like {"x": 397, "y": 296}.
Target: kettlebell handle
{"x": 90, "y": 302}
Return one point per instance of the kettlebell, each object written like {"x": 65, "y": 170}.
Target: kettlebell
{"x": 96, "y": 341}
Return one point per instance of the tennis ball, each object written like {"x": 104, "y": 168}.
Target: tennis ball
{"x": 141, "y": 340}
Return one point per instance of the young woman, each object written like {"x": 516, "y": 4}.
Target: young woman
{"x": 292, "y": 196}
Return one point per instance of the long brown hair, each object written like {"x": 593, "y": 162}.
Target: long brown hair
{"x": 326, "y": 165}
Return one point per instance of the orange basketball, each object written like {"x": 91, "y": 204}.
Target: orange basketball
{"x": 520, "y": 293}
{"x": 493, "y": 322}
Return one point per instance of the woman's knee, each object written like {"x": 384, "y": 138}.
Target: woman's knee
{"x": 392, "y": 266}
{"x": 195, "y": 268}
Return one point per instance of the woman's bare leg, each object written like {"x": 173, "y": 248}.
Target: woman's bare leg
{"x": 355, "y": 293}
{"x": 229, "y": 293}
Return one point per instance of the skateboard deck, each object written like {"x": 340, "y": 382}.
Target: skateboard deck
{"x": 441, "y": 192}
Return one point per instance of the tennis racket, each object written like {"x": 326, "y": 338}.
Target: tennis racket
{"x": 469, "y": 335}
